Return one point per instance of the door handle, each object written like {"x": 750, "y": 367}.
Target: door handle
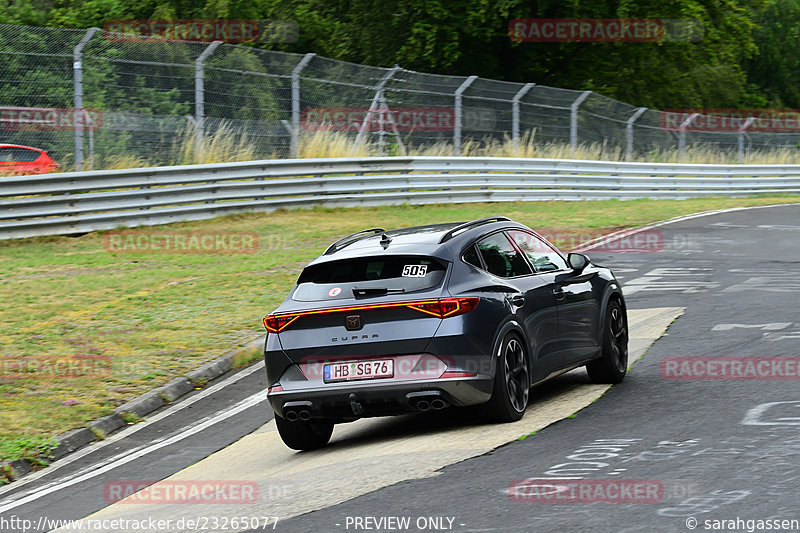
{"x": 518, "y": 300}
{"x": 559, "y": 293}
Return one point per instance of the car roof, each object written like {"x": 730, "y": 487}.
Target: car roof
{"x": 417, "y": 240}
{"x": 5, "y": 145}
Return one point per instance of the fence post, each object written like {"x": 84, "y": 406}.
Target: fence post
{"x": 77, "y": 79}
{"x": 373, "y": 105}
{"x": 629, "y": 132}
{"x": 199, "y": 97}
{"x": 457, "y": 109}
{"x": 90, "y": 121}
{"x": 573, "y": 120}
{"x": 515, "y": 113}
{"x": 742, "y": 133}
{"x": 682, "y": 137}
{"x": 295, "y": 131}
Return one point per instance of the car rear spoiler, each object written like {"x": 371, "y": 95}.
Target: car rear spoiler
{"x": 350, "y": 239}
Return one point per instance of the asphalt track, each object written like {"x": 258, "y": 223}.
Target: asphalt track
{"x": 717, "y": 449}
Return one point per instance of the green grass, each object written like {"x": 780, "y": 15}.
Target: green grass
{"x": 36, "y": 449}
{"x": 143, "y": 318}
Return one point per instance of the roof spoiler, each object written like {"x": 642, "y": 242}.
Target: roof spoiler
{"x": 350, "y": 239}
{"x": 468, "y": 225}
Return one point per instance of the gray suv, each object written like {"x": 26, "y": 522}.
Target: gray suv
{"x": 428, "y": 317}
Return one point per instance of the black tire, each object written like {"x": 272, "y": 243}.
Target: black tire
{"x": 511, "y": 382}
{"x": 304, "y": 434}
{"x": 612, "y": 366}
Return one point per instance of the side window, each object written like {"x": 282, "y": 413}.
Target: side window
{"x": 21, "y": 154}
{"x": 501, "y": 258}
{"x": 540, "y": 254}
{"x": 471, "y": 257}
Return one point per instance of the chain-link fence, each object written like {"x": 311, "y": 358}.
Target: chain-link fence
{"x": 89, "y": 98}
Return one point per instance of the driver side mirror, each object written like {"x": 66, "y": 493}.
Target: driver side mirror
{"x": 577, "y": 261}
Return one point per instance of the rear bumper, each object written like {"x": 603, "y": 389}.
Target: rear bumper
{"x": 335, "y": 401}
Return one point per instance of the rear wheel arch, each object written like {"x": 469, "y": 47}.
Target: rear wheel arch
{"x": 511, "y": 389}
{"x": 510, "y": 326}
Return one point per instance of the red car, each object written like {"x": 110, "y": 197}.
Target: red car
{"x": 16, "y": 159}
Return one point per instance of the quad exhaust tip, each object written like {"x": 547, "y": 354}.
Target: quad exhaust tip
{"x": 294, "y": 411}
{"x": 438, "y": 404}
{"x": 293, "y": 415}
{"x": 426, "y": 401}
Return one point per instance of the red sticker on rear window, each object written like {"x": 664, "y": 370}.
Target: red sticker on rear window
{"x": 334, "y": 291}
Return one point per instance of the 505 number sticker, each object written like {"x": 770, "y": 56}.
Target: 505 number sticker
{"x": 415, "y": 271}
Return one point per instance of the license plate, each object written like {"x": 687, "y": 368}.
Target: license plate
{"x": 353, "y": 371}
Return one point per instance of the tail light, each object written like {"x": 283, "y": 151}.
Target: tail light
{"x": 446, "y": 307}
{"x": 275, "y": 323}
{"x": 441, "y": 307}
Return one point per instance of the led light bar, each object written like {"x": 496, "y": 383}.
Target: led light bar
{"x": 440, "y": 307}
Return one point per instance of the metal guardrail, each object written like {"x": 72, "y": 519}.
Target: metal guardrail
{"x": 78, "y": 202}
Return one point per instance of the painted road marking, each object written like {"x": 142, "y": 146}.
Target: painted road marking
{"x": 770, "y": 282}
{"x": 768, "y": 327}
{"x": 771, "y": 331}
{"x": 774, "y": 414}
{"x": 374, "y": 453}
{"x": 783, "y": 336}
{"x": 131, "y": 455}
{"x": 682, "y": 279}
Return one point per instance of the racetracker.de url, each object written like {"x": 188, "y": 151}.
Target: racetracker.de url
{"x": 209, "y": 524}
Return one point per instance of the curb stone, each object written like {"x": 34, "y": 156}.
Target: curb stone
{"x": 174, "y": 389}
{"x": 142, "y": 405}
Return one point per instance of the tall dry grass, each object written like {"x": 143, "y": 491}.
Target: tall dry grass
{"x": 333, "y": 144}
{"x": 339, "y": 144}
{"x": 225, "y": 145}
{"x": 229, "y": 145}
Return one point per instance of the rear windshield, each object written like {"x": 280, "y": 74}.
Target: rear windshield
{"x": 369, "y": 276}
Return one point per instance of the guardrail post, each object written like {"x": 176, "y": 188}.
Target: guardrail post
{"x": 373, "y": 105}
{"x": 515, "y": 113}
{"x": 682, "y": 137}
{"x": 629, "y": 133}
{"x": 742, "y": 133}
{"x": 457, "y": 110}
{"x": 573, "y": 120}
{"x": 295, "y": 130}
{"x": 77, "y": 79}
{"x": 199, "y": 97}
